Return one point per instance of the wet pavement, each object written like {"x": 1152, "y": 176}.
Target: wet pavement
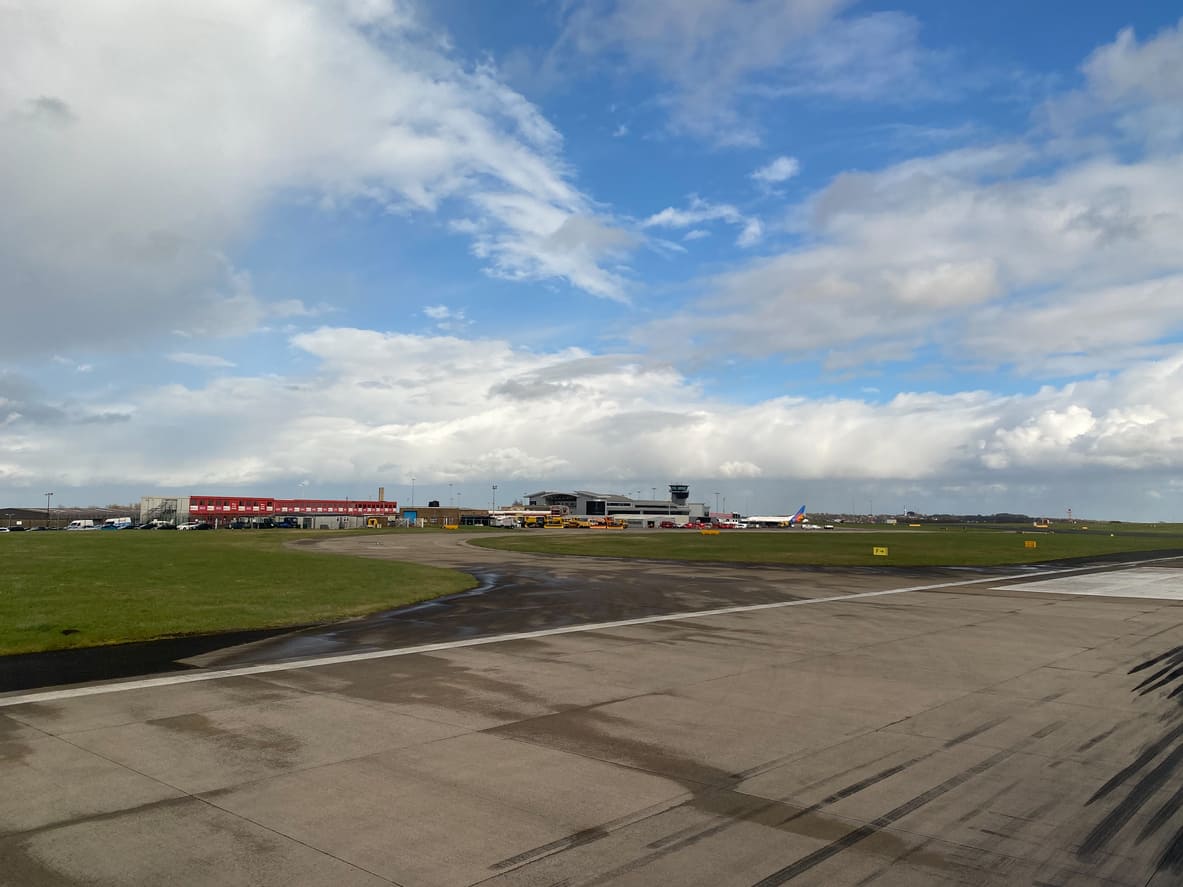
{"x": 969, "y": 734}
{"x": 518, "y": 592}
{"x": 527, "y": 592}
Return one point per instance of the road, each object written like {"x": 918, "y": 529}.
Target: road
{"x": 830, "y": 727}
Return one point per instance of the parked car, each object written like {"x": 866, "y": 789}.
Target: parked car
{"x": 17, "y": 529}
{"x": 668, "y": 525}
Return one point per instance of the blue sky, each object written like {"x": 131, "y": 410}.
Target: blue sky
{"x": 918, "y": 254}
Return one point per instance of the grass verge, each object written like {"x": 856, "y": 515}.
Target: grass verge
{"x": 62, "y": 590}
{"x": 844, "y": 548}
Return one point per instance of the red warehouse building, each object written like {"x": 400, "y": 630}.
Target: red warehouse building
{"x": 310, "y": 513}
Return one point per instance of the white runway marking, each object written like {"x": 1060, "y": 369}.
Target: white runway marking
{"x": 247, "y": 670}
{"x": 1153, "y": 583}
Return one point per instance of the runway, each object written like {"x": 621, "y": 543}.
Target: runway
{"x": 984, "y": 732}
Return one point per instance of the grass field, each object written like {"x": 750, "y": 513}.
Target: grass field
{"x": 905, "y": 547}
{"x": 60, "y": 590}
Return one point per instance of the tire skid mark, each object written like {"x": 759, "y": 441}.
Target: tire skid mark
{"x": 975, "y": 732}
{"x": 1100, "y": 737}
{"x": 673, "y": 843}
{"x": 863, "y": 832}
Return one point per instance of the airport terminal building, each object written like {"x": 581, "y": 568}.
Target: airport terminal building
{"x": 643, "y": 512}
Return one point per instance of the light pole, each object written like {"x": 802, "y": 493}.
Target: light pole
{"x": 451, "y": 497}
{"x": 493, "y": 501}
{"x": 412, "y": 491}
{"x": 48, "y": 496}
{"x": 716, "y": 501}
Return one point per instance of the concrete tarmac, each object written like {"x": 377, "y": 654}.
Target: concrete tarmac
{"x": 976, "y": 734}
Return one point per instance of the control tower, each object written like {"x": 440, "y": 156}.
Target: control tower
{"x": 679, "y": 494}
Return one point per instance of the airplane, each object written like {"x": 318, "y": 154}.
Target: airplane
{"x": 797, "y": 520}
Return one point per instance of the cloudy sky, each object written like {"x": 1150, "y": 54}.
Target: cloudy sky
{"x": 859, "y": 255}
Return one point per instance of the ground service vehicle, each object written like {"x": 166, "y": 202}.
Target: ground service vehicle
{"x": 609, "y": 523}
{"x": 554, "y": 522}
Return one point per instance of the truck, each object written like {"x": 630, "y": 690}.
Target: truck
{"x": 84, "y": 524}
{"x": 117, "y": 523}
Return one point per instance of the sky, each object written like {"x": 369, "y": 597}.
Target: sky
{"x": 861, "y": 256}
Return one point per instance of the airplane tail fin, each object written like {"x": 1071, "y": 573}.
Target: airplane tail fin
{"x": 799, "y": 517}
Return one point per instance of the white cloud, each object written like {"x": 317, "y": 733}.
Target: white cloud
{"x": 701, "y": 211}
{"x": 124, "y": 184}
{"x": 696, "y": 234}
{"x": 447, "y": 319}
{"x": 199, "y": 360}
{"x": 375, "y": 402}
{"x": 739, "y": 469}
{"x": 1074, "y": 269}
{"x": 752, "y": 231}
{"x": 295, "y": 308}
{"x": 781, "y": 169}
{"x": 1133, "y": 90}
{"x": 717, "y": 56}
{"x": 74, "y": 365}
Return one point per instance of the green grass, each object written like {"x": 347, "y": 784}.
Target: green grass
{"x": 906, "y": 547}
{"x": 106, "y": 588}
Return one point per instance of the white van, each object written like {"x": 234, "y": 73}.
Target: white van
{"x": 81, "y": 525}
{"x": 117, "y": 523}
